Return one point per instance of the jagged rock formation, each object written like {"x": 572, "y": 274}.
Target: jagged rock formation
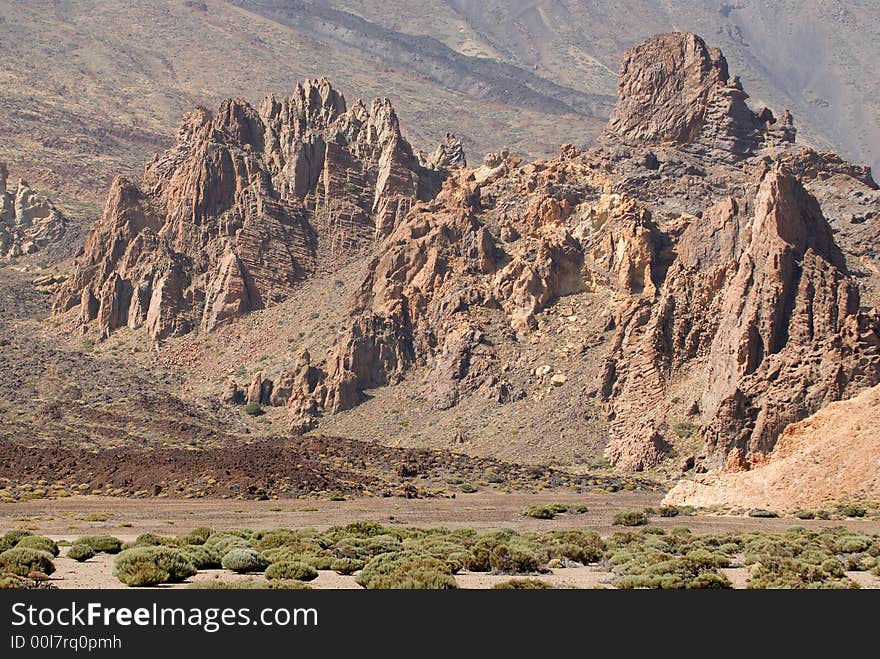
{"x": 726, "y": 304}
{"x": 28, "y": 221}
{"x": 748, "y": 298}
{"x": 245, "y": 206}
{"x": 759, "y": 301}
{"x": 673, "y": 89}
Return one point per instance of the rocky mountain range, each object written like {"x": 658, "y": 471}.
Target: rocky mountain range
{"x": 92, "y": 88}
{"x": 674, "y": 297}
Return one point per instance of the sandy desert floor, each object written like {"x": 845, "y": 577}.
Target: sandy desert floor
{"x": 72, "y": 517}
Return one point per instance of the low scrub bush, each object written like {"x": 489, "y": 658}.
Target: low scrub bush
{"x": 197, "y": 536}
{"x": 291, "y": 570}
{"x": 346, "y": 565}
{"x": 630, "y": 518}
{"x": 202, "y": 557}
{"x": 244, "y": 560}
{"x": 106, "y": 544}
{"x": 406, "y": 570}
{"x": 254, "y": 409}
{"x": 80, "y": 552}
{"x": 760, "y": 512}
{"x": 24, "y": 560}
{"x": 39, "y": 542}
{"x": 522, "y": 584}
{"x": 507, "y": 559}
{"x": 10, "y": 582}
{"x": 151, "y": 565}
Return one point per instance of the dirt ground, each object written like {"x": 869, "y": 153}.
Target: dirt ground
{"x": 67, "y": 519}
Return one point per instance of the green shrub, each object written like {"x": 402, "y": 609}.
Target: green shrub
{"x": 39, "y": 542}
{"x": 254, "y": 409}
{"x": 468, "y": 488}
{"x": 415, "y": 578}
{"x": 141, "y": 566}
{"x": 10, "y": 582}
{"x": 507, "y": 559}
{"x": 522, "y": 584}
{"x": 197, "y": 536}
{"x": 581, "y": 546}
{"x": 287, "y": 584}
{"x": 539, "y": 511}
{"x": 106, "y": 544}
{"x": 630, "y": 518}
{"x": 852, "y": 510}
{"x": 202, "y": 557}
{"x": 760, "y": 512}
{"x": 668, "y": 511}
{"x": 406, "y": 570}
{"x": 244, "y": 560}
{"x": 24, "y": 560}
{"x": 578, "y": 509}
{"x": 805, "y": 514}
{"x": 238, "y": 584}
{"x": 12, "y": 537}
{"x": 223, "y": 543}
{"x": 80, "y": 552}
{"x": 346, "y": 565}
{"x": 138, "y": 575}
{"x": 291, "y": 570}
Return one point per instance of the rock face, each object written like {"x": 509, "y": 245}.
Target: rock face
{"x": 247, "y": 204}
{"x": 758, "y": 301}
{"x": 745, "y": 304}
{"x": 28, "y": 221}
{"x": 717, "y": 295}
{"x": 674, "y": 89}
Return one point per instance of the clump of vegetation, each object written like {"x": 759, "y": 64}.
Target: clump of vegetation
{"x": 202, "y": 558}
{"x": 406, "y": 570}
{"x": 550, "y": 510}
{"x": 10, "y": 582}
{"x": 152, "y": 565}
{"x": 684, "y": 429}
{"x": 23, "y": 561}
{"x": 346, "y": 565}
{"x": 540, "y": 511}
{"x": 630, "y": 518}
{"x": 668, "y": 511}
{"x": 197, "y": 536}
{"x": 80, "y": 552}
{"x": 852, "y": 510}
{"x": 39, "y": 542}
{"x": 522, "y": 584}
{"x": 254, "y": 409}
{"x": 512, "y": 559}
{"x": 760, "y": 512}
{"x": 291, "y": 570}
{"x": 106, "y": 544}
{"x": 224, "y": 542}
{"x": 244, "y": 560}
{"x": 12, "y": 537}
{"x": 805, "y": 514}
{"x": 468, "y": 488}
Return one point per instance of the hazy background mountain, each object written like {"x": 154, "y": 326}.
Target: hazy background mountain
{"x": 91, "y": 88}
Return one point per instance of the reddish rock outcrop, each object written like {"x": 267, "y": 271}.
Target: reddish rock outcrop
{"x": 674, "y": 89}
{"x": 759, "y": 299}
{"x": 28, "y": 221}
{"x": 246, "y": 205}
